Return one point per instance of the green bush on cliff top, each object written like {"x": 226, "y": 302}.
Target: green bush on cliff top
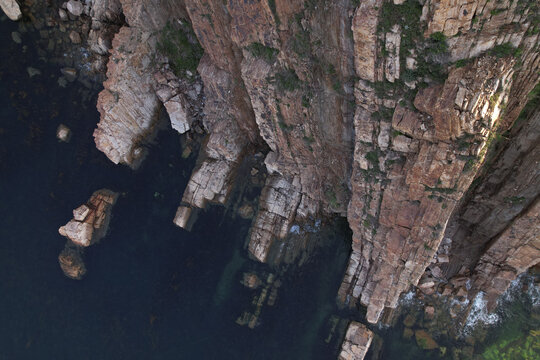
{"x": 180, "y": 45}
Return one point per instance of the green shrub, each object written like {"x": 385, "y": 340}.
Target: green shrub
{"x": 181, "y": 47}
{"x": 503, "y": 50}
{"x": 461, "y": 63}
{"x": 259, "y": 50}
{"x": 287, "y": 80}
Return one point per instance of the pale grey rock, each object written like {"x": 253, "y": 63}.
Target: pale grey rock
{"x": 176, "y": 109}
{"x": 11, "y": 9}
{"x": 63, "y": 133}
{"x": 75, "y": 7}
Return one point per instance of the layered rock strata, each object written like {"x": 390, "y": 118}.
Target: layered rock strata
{"x": 89, "y": 225}
{"x": 383, "y": 112}
{"x": 494, "y": 235}
{"x": 129, "y": 105}
{"x": 409, "y": 174}
{"x": 356, "y": 343}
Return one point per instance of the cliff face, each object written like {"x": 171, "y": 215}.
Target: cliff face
{"x": 387, "y": 113}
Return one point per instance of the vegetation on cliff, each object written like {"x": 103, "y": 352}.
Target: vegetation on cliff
{"x": 178, "y": 42}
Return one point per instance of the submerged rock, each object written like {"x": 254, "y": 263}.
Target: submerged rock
{"x": 71, "y": 261}
{"x": 424, "y": 340}
{"x": 11, "y": 9}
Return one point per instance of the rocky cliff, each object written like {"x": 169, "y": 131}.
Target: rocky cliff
{"x": 384, "y": 112}
{"x": 403, "y": 116}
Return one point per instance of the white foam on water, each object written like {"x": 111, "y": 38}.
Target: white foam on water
{"x": 479, "y": 315}
{"x": 408, "y": 299}
{"x": 534, "y": 294}
{"x": 295, "y": 229}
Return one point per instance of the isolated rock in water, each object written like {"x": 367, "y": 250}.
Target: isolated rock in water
{"x": 75, "y": 7}
{"x": 90, "y": 221}
{"x": 63, "y": 133}
{"x": 11, "y": 8}
{"x": 71, "y": 261}
{"x": 357, "y": 341}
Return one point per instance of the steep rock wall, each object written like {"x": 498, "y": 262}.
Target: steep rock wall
{"x": 380, "y": 111}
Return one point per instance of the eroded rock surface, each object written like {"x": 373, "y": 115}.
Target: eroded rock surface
{"x": 89, "y": 225}
{"x": 358, "y": 117}
{"x": 356, "y": 343}
{"x": 91, "y": 220}
{"x": 128, "y": 105}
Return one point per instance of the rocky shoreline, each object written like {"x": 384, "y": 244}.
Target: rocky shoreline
{"x": 404, "y": 117}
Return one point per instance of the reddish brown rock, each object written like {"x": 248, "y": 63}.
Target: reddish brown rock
{"x": 356, "y": 343}
{"x": 128, "y": 105}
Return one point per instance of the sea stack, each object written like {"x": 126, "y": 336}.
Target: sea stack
{"x": 88, "y": 226}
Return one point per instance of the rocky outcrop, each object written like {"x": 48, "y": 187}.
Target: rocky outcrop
{"x": 11, "y": 9}
{"x": 384, "y": 112}
{"x": 128, "y": 105}
{"x": 89, "y": 225}
{"x": 364, "y": 28}
{"x": 356, "y": 343}
{"x": 212, "y": 180}
{"x": 405, "y": 184}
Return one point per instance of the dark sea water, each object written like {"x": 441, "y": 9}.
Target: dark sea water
{"x": 153, "y": 290}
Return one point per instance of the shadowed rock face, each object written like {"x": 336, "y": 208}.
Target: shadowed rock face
{"x": 358, "y": 121}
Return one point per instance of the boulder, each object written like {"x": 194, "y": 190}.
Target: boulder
{"x": 90, "y": 222}
{"x": 71, "y": 261}
{"x": 63, "y": 133}
{"x": 11, "y": 9}
{"x": 75, "y": 7}
{"x": 357, "y": 341}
